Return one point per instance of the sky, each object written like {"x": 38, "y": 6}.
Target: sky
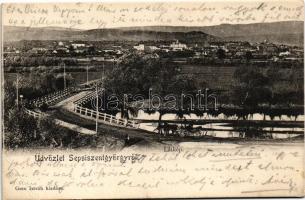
{"x": 171, "y": 13}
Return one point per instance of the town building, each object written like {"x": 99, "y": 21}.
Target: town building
{"x": 140, "y": 47}
{"x": 177, "y": 46}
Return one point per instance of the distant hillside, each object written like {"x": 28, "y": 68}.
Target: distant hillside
{"x": 278, "y": 32}
{"x": 11, "y": 33}
{"x": 286, "y": 38}
{"x": 143, "y": 35}
{"x": 49, "y": 33}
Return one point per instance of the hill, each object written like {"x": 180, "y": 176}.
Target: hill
{"x": 23, "y": 33}
{"x": 290, "y": 32}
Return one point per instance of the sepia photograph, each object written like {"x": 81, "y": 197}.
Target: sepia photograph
{"x": 152, "y": 100}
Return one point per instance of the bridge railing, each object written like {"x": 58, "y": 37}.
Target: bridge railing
{"x": 35, "y": 114}
{"x": 85, "y": 99}
{"x": 104, "y": 117}
{"x": 52, "y": 98}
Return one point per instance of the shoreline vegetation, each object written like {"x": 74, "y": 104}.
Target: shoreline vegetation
{"x": 113, "y": 138}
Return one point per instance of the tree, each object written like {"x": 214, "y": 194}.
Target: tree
{"x": 50, "y": 132}
{"x": 274, "y": 77}
{"x": 91, "y": 50}
{"x": 248, "y": 56}
{"x": 9, "y": 97}
{"x": 124, "y": 79}
{"x": 221, "y": 54}
{"x": 138, "y": 74}
{"x": 59, "y": 81}
{"x": 251, "y": 87}
{"x": 175, "y": 84}
{"x": 71, "y": 49}
{"x": 19, "y": 128}
{"x": 36, "y": 84}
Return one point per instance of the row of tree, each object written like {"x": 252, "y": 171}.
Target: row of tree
{"x": 35, "y": 84}
{"x": 35, "y": 61}
{"x": 254, "y": 86}
{"x": 138, "y": 74}
{"x": 251, "y": 88}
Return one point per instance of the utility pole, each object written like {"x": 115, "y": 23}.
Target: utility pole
{"x": 87, "y": 74}
{"x": 103, "y": 75}
{"x": 64, "y": 75}
{"x": 17, "y": 90}
{"x": 97, "y": 114}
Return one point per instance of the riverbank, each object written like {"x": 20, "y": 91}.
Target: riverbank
{"x": 148, "y": 139}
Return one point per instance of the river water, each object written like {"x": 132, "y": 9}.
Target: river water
{"x": 227, "y": 130}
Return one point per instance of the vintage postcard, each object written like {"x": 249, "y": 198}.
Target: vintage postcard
{"x": 119, "y": 100}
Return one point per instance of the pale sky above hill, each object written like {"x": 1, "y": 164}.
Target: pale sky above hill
{"x": 111, "y": 15}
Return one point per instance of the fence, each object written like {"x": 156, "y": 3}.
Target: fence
{"x": 76, "y": 128}
{"x": 103, "y": 117}
{"x": 35, "y": 114}
{"x": 52, "y": 98}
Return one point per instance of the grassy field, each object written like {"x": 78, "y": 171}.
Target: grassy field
{"x": 210, "y": 76}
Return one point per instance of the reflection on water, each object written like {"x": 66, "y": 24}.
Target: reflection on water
{"x": 224, "y": 130}
{"x": 221, "y": 130}
{"x": 255, "y": 116}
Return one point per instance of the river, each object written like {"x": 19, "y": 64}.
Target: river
{"x": 256, "y": 125}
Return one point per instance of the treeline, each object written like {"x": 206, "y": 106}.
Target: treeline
{"x": 10, "y": 62}
{"x": 26, "y": 64}
{"x": 242, "y": 61}
{"x": 26, "y": 61}
{"x": 51, "y": 69}
{"x": 254, "y": 87}
{"x": 33, "y": 85}
{"x": 251, "y": 88}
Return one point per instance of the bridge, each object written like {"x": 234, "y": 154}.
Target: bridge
{"x": 72, "y": 99}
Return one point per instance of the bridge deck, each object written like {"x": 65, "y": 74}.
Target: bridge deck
{"x": 68, "y": 103}
{"x": 90, "y": 82}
